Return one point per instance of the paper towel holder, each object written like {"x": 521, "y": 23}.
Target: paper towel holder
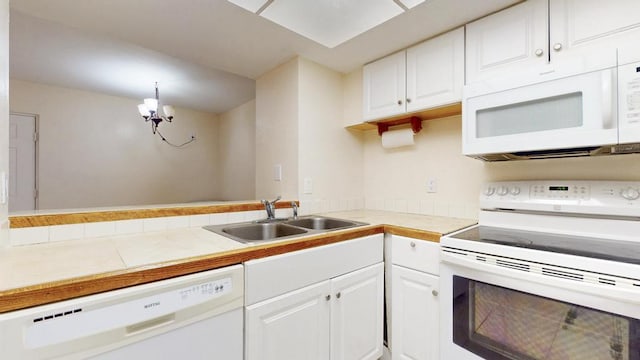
{"x": 416, "y": 124}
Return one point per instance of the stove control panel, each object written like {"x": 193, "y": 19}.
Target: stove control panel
{"x": 571, "y": 196}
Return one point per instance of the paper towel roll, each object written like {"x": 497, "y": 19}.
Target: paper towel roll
{"x": 397, "y": 138}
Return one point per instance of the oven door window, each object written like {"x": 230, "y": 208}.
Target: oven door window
{"x": 498, "y": 323}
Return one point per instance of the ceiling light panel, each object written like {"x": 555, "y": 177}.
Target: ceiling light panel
{"x": 251, "y": 5}
{"x": 330, "y": 22}
{"x": 411, "y": 3}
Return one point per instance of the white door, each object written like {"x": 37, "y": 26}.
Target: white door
{"x": 290, "y": 326}
{"x": 357, "y": 314}
{"x": 510, "y": 42}
{"x": 384, "y": 83}
{"x": 415, "y": 322}
{"x": 22, "y": 162}
{"x": 435, "y": 71}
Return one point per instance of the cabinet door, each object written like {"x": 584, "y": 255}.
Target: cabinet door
{"x": 435, "y": 71}
{"x": 510, "y": 42}
{"x": 357, "y": 314}
{"x": 586, "y": 33}
{"x": 291, "y": 326}
{"x": 383, "y": 85}
{"x": 415, "y": 322}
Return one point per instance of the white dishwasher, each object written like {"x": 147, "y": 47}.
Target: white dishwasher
{"x": 197, "y": 316}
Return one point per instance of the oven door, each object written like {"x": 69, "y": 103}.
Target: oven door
{"x": 578, "y": 111}
{"x": 496, "y": 312}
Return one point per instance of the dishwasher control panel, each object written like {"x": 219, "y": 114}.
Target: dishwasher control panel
{"x": 206, "y": 290}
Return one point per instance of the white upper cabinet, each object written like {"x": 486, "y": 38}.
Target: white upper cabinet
{"x": 511, "y": 41}
{"x": 586, "y": 33}
{"x": 384, "y": 87}
{"x": 540, "y": 39}
{"x": 435, "y": 71}
{"x": 427, "y": 75}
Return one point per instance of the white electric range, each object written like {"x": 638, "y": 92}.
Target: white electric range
{"x": 552, "y": 271}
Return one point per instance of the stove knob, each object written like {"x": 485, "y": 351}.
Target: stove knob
{"x": 503, "y": 190}
{"x": 515, "y": 190}
{"x": 630, "y": 194}
{"x": 489, "y": 191}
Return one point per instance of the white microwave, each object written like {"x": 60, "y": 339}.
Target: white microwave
{"x": 586, "y": 114}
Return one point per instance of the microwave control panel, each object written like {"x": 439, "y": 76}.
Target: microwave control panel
{"x": 587, "y": 197}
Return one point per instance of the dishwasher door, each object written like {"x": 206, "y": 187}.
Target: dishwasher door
{"x": 198, "y": 315}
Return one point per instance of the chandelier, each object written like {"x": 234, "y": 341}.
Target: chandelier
{"x": 149, "y": 111}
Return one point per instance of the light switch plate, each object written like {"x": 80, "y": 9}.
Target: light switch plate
{"x": 4, "y": 185}
{"x": 277, "y": 172}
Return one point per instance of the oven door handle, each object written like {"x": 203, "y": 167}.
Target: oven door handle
{"x": 601, "y": 290}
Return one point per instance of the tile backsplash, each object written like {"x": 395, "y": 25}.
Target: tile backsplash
{"x": 43, "y": 234}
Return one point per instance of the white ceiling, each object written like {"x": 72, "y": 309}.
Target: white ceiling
{"x": 204, "y": 53}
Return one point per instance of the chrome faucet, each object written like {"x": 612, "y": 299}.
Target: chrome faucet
{"x": 294, "y": 207}
{"x": 270, "y": 207}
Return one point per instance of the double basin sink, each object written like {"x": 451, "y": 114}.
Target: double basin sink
{"x": 277, "y": 229}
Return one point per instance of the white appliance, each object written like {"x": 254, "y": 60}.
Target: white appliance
{"x": 552, "y": 271}
{"x": 198, "y": 316}
{"x": 580, "y": 114}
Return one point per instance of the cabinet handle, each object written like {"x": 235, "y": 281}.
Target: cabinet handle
{"x": 338, "y": 295}
{"x": 328, "y": 297}
{"x": 434, "y": 292}
{"x": 399, "y": 102}
{"x": 413, "y": 244}
{"x": 557, "y": 46}
{"x": 539, "y": 52}
{"x": 408, "y": 100}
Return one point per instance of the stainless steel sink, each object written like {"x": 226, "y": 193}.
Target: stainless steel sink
{"x": 322, "y": 223}
{"x": 278, "y": 229}
{"x": 253, "y": 232}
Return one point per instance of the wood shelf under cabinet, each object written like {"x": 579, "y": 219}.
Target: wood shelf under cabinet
{"x": 428, "y": 114}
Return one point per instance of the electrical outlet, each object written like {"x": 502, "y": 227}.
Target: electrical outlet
{"x": 308, "y": 185}
{"x": 432, "y": 186}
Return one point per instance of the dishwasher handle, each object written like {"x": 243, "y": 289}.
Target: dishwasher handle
{"x": 150, "y": 324}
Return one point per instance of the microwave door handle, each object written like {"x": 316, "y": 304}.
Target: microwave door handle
{"x": 609, "y": 91}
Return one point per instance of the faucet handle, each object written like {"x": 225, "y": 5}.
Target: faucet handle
{"x": 276, "y": 200}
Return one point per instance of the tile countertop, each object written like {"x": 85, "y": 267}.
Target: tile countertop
{"x": 77, "y": 265}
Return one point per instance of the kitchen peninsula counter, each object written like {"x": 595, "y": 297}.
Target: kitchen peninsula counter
{"x": 44, "y": 273}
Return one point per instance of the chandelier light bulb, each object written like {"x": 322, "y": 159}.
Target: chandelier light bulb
{"x": 144, "y": 111}
{"x": 151, "y": 104}
{"x": 168, "y": 111}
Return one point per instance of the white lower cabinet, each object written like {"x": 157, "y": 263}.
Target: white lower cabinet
{"x": 415, "y": 320}
{"x": 316, "y": 304}
{"x": 415, "y": 328}
{"x": 291, "y": 326}
{"x": 356, "y": 314}
{"x": 337, "y": 319}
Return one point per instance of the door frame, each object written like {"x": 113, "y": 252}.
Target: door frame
{"x": 37, "y": 152}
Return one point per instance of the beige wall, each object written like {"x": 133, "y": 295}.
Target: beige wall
{"x": 396, "y": 179}
{"x": 96, "y": 150}
{"x": 329, "y": 155}
{"x": 237, "y": 150}
{"x": 4, "y": 111}
{"x": 277, "y": 131}
{"x": 352, "y": 98}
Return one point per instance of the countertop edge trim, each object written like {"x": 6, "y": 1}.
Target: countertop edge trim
{"x": 41, "y": 294}
{"x": 24, "y": 221}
